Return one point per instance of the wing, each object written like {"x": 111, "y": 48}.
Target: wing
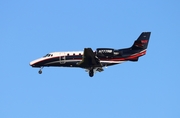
{"x": 90, "y": 60}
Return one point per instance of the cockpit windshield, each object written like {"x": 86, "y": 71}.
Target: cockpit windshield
{"x": 48, "y": 55}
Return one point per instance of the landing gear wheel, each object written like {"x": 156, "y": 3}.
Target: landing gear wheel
{"x": 91, "y": 73}
{"x": 40, "y": 72}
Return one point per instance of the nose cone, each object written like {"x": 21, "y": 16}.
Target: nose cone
{"x": 35, "y": 63}
{"x": 32, "y": 63}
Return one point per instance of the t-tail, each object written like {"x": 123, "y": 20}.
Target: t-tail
{"x": 139, "y": 47}
{"x": 142, "y": 42}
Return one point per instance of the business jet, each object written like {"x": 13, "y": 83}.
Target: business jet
{"x": 94, "y": 61}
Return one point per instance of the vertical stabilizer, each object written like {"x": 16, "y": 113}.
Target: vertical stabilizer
{"x": 142, "y": 41}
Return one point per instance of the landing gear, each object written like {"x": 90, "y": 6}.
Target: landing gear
{"x": 40, "y": 71}
{"x": 91, "y": 73}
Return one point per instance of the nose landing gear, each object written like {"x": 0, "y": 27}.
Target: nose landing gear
{"x": 40, "y": 71}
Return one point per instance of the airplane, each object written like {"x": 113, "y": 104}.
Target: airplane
{"x": 94, "y": 61}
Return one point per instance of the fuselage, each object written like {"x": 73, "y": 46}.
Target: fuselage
{"x": 71, "y": 59}
{"x": 94, "y": 61}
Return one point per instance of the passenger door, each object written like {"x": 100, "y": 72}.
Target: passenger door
{"x": 62, "y": 58}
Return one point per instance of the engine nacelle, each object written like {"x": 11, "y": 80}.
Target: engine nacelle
{"x": 105, "y": 52}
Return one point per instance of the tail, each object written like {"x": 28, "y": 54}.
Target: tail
{"x": 142, "y": 42}
{"x": 140, "y": 45}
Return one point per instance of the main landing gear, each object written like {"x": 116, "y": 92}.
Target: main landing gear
{"x": 40, "y": 71}
{"x": 91, "y": 73}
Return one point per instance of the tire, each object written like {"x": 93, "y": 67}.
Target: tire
{"x": 91, "y": 73}
{"x": 40, "y": 72}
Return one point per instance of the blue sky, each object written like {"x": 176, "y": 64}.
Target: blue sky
{"x": 148, "y": 88}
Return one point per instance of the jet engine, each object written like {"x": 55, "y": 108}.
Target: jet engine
{"x": 105, "y": 52}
